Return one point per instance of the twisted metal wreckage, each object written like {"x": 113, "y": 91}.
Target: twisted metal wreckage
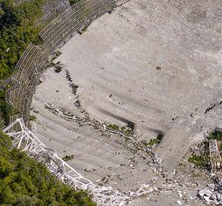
{"x": 25, "y": 140}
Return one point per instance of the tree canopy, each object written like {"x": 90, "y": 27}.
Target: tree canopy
{"x": 18, "y": 26}
{"x": 26, "y": 182}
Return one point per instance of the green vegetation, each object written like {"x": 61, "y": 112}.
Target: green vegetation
{"x": 32, "y": 118}
{"x": 126, "y": 130}
{"x": 201, "y": 161}
{"x": 156, "y": 141}
{"x": 215, "y": 135}
{"x": 74, "y": 88}
{"x": 113, "y": 126}
{"x": 73, "y": 2}
{"x": 202, "y": 158}
{"x": 68, "y": 157}
{"x": 23, "y": 181}
{"x": 5, "y": 110}
{"x": 218, "y": 136}
{"x": 18, "y": 26}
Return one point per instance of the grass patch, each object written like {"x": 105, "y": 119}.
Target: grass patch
{"x": 68, "y": 157}
{"x": 113, "y": 126}
{"x": 201, "y": 161}
{"x": 156, "y": 141}
{"x": 126, "y": 130}
{"x": 201, "y": 158}
{"x": 32, "y": 118}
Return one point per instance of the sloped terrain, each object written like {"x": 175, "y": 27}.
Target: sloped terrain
{"x": 155, "y": 64}
{"x": 151, "y": 65}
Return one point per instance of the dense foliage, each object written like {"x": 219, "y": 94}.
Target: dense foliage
{"x": 215, "y": 135}
{"x": 73, "y": 2}
{"x": 5, "y": 110}
{"x": 18, "y": 26}
{"x": 25, "y": 182}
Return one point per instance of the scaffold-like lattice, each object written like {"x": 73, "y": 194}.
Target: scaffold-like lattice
{"x": 25, "y": 140}
{"x": 34, "y": 60}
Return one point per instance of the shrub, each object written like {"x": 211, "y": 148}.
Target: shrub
{"x": 23, "y": 181}
{"x": 74, "y": 88}
{"x": 68, "y": 157}
{"x": 58, "y": 69}
{"x": 73, "y": 2}
{"x": 156, "y": 141}
{"x": 32, "y": 118}
{"x": 215, "y": 135}
{"x": 201, "y": 161}
{"x": 113, "y": 126}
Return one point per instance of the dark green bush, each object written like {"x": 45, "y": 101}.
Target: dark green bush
{"x": 68, "y": 157}
{"x": 215, "y": 135}
{"x": 18, "y": 27}
{"x": 113, "y": 126}
{"x": 73, "y": 2}
{"x": 23, "y": 181}
{"x": 156, "y": 141}
{"x": 5, "y": 109}
{"x": 32, "y": 118}
{"x": 201, "y": 161}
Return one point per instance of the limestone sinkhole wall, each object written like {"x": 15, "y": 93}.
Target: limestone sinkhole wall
{"x": 35, "y": 58}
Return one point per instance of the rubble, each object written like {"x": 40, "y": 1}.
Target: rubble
{"x": 212, "y": 194}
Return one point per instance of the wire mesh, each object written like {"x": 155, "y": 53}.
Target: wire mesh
{"x": 34, "y": 59}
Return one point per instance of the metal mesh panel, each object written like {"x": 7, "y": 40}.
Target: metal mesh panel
{"x": 34, "y": 59}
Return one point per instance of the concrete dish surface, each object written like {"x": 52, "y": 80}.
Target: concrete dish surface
{"x": 156, "y": 64}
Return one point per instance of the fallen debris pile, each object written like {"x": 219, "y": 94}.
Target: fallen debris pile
{"x": 212, "y": 194}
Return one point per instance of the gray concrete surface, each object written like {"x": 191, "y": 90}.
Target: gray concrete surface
{"x": 154, "y": 63}
{"x": 115, "y": 63}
